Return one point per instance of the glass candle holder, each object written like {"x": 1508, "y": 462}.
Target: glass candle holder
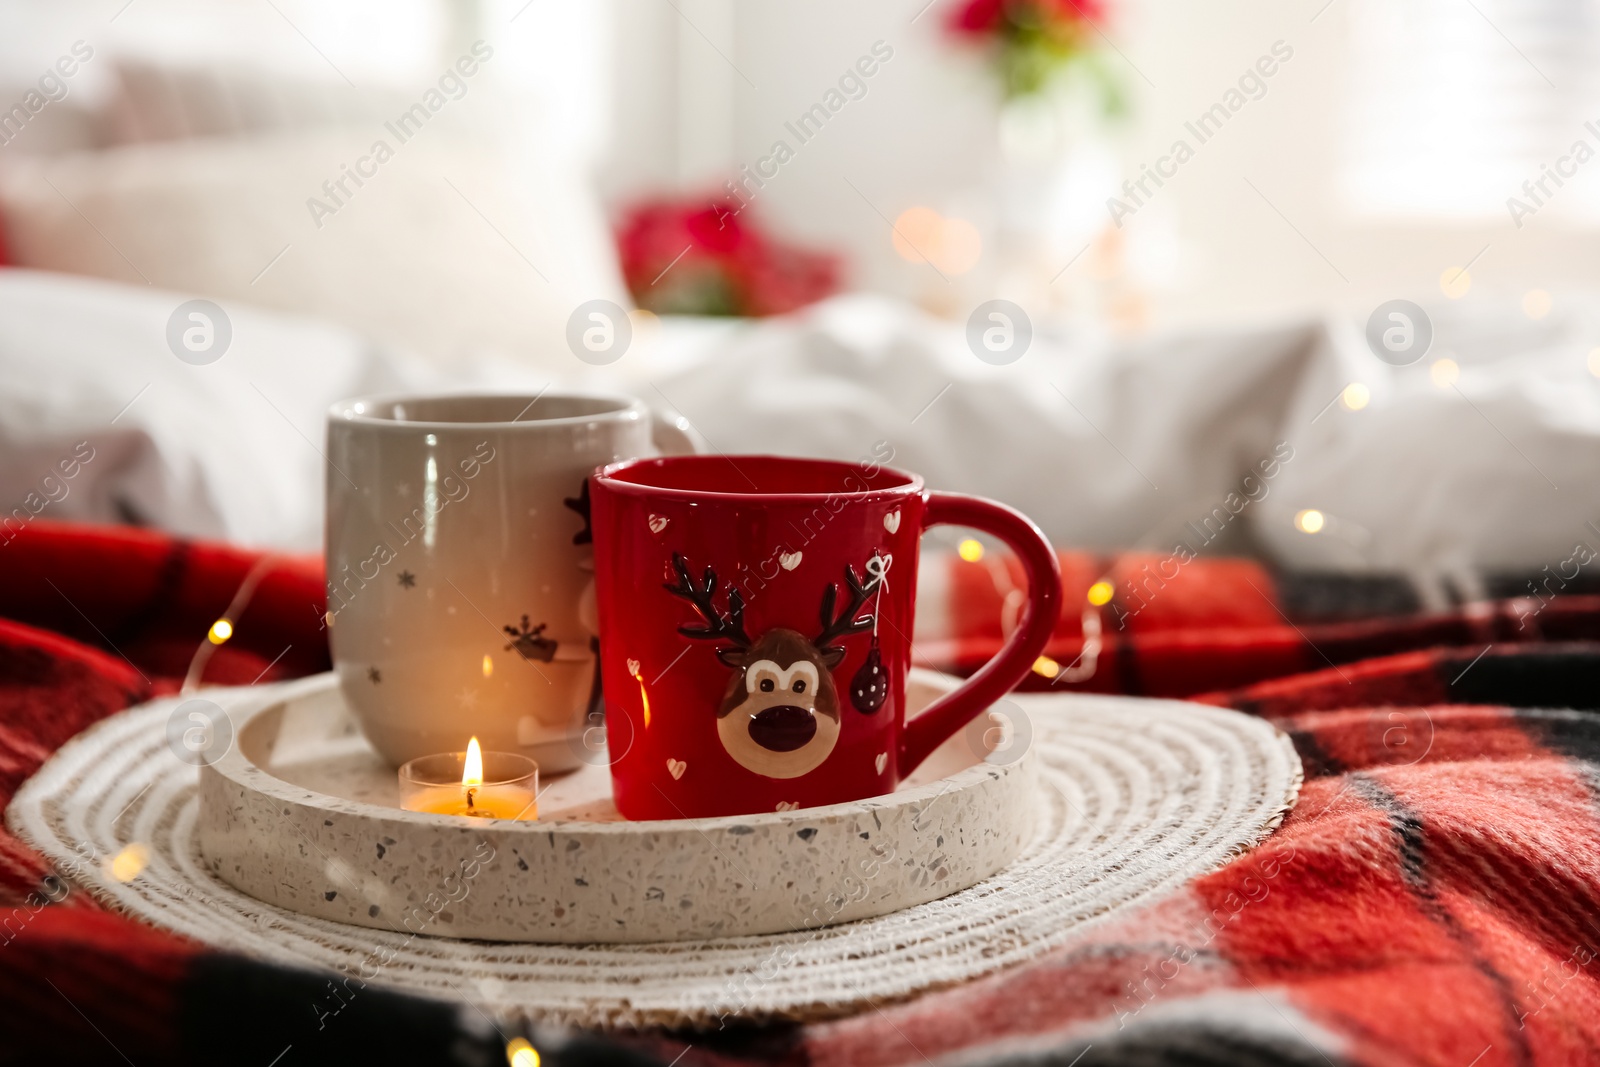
{"x": 500, "y": 785}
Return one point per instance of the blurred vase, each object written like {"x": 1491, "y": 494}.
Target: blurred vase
{"x": 1054, "y": 173}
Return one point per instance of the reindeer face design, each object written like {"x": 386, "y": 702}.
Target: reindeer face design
{"x": 780, "y": 715}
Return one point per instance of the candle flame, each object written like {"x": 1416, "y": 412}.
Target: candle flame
{"x": 472, "y": 773}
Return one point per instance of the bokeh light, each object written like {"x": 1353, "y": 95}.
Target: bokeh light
{"x": 1454, "y": 282}
{"x": 959, "y": 247}
{"x": 126, "y": 865}
{"x": 916, "y": 233}
{"x": 519, "y": 1053}
{"x": 922, "y": 235}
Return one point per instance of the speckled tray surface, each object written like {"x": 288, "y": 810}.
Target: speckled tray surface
{"x": 301, "y": 813}
{"x": 1133, "y": 798}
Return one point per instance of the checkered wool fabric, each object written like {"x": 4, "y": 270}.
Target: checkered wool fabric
{"x": 1433, "y": 899}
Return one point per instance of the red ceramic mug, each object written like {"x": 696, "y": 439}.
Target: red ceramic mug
{"x": 755, "y": 629}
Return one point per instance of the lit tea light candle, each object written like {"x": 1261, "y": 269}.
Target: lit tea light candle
{"x": 474, "y": 783}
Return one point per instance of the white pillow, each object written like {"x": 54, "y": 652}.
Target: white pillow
{"x": 1443, "y": 479}
{"x": 169, "y": 100}
{"x": 448, "y": 249}
{"x": 226, "y": 450}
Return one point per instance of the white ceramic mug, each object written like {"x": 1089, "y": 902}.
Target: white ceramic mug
{"x": 461, "y": 567}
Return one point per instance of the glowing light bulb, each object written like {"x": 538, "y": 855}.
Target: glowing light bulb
{"x": 126, "y": 865}
{"x": 220, "y": 631}
{"x": 1100, "y": 593}
{"x": 1046, "y": 666}
{"x": 521, "y": 1054}
{"x": 970, "y": 550}
{"x": 1309, "y": 521}
{"x": 1355, "y": 396}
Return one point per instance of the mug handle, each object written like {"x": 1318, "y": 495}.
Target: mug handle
{"x": 1001, "y": 674}
{"x": 669, "y": 438}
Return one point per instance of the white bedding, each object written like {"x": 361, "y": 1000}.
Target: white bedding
{"x": 1105, "y": 445}
{"x": 208, "y": 451}
{"x": 1164, "y": 442}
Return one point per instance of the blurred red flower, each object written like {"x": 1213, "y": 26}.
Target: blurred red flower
{"x": 1033, "y": 41}
{"x": 979, "y": 17}
{"x": 699, "y": 258}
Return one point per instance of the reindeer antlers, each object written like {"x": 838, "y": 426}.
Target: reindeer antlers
{"x": 731, "y": 628}
{"x": 847, "y": 621}
{"x": 716, "y": 628}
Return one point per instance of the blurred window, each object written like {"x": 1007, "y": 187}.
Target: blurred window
{"x": 1453, "y": 105}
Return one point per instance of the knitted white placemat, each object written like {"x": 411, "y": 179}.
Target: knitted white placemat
{"x": 1136, "y": 797}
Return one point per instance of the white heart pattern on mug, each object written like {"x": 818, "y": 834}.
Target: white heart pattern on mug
{"x": 676, "y": 767}
{"x": 658, "y": 523}
{"x": 787, "y": 805}
{"x": 883, "y": 758}
{"x": 789, "y": 560}
{"x": 891, "y": 521}
{"x": 633, "y": 668}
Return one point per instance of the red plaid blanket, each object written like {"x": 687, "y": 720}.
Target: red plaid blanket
{"x": 1433, "y": 899}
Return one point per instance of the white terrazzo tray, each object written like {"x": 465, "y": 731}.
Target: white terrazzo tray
{"x": 303, "y": 814}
